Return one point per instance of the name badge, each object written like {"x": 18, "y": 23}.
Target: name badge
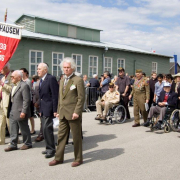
{"x": 5, "y": 82}
{"x": 72, "y": 87}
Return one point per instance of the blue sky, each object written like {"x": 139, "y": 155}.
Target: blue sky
{"x": 145, "y": 24}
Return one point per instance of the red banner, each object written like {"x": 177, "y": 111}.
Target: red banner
{"x": 10, "y": 36}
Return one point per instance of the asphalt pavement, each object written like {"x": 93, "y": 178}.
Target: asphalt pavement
{"x": 113, "y": 152}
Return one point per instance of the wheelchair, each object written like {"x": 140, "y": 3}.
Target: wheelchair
{"x": 175, "y": 120}
{"x": 166, "y": 125}
{"x": 117, "y": 114}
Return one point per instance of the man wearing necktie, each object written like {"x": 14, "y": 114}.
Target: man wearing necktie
{"x": 19, "y": 112}
{"x": 48, "y": 94}
{"x": 167, "y": 97}
{"x": 5, "y": 90}
{"x": 70, "y": 107}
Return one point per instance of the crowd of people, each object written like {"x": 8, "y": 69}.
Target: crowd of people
{"x": 66, "y": 99}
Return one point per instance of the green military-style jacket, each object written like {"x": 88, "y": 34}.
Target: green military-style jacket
{"x": 141, "y": 87}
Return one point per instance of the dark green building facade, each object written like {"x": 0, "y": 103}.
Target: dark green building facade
{"x": 50, "y": 41}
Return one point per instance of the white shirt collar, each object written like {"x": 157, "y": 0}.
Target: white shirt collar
{"x": 44, "y": 77}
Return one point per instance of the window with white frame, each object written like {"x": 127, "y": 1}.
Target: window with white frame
{"x": 154, "y": 67}
{"x": 78, "y": 61}
{"x": 121, "y": 63}
{"x": 56, "y": 60}
{"x": 93, "y": 65}
{"x": 35, "y": 57}
{"x": 108, "y": 64}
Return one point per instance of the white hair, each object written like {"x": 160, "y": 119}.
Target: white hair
{"x": 44, "y": 65}
{"x": 78, "y": 74}
{"x": 95, "y": 75}
{"x": 68, "y": 60}
{"x": 7, "y": 65}
{"x": 19, "y": 73}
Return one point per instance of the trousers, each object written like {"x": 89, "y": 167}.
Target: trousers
{"x": 106, "y": 107}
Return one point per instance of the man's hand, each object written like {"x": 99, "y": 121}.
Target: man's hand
{"x": 57, "y": 115}
{"x": 36, "y": 105}
{"x": 123, "y": 94}
{"x": 147, "y": 101}
{"x": 154, "y": 99}
{"x": 130, "y": 96}
{"x": 103, "y": 103}
{"x": 22, "y": 115}
{"x": 161, "y": 104}
{"x": 75, "y": 116}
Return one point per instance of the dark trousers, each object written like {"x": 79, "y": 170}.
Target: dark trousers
{"x": 14, "y": 129}
{"x": 125, "y": 103}
{"x": 64, "y": 127}
{"x": 48, "y": 132}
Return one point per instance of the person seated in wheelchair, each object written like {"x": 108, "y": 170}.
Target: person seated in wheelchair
{"x": 110, "y": 98}
{"x": 167, "y": 98}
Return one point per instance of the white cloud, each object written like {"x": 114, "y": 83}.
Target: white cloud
{"x": 118, "y": 25}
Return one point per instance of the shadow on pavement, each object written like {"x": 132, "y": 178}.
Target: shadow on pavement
{"x": 101, "y": 155}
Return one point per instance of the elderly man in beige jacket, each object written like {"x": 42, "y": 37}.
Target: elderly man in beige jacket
{"x": 5, "y": 90}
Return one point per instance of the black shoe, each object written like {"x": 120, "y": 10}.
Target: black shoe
{"x": 158, "y": 126}
{"x": 49, "y": 155}
{"x": 44, "y": 152}
{"x": 147, "y": 123}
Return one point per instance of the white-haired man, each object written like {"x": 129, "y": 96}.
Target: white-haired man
{"x": 70, "y": 106}
{"x": 19, "y": 112}
{"x": 48, "y": 94}
{"x": 5, "y": 90}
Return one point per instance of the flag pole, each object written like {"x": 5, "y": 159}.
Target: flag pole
{"x": 5, "y": 16}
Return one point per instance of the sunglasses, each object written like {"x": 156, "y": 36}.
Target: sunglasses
{"x": 111, "y": 87}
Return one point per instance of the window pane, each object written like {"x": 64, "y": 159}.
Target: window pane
{"x": 79, "y": 69}
{"x": 33, "y": 67}
{"x": 74, "y": 57}
{"x": 54, "y": 68}
{"x": 90, "y": 62}
{"x": 78, "y": 62}
{"x": 32, "y": 54}
{"x": 54, "y": 73}
{"x": 39, "y": 54}
{"x": 79, "y": 58}
{"x": 54, "y": 61}
{"x": 38, "y": 60}
{"x": 54, "y": 55}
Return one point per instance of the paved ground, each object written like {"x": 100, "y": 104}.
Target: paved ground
{"x": 110, "y": 152}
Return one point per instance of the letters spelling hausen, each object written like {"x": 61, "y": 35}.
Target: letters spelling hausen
{"x": 9, "y": 30}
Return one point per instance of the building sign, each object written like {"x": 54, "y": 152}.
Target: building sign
{"x": 10, "y": 36}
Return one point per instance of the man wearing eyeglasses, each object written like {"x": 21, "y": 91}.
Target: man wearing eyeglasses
{"x": 110, "y": 98}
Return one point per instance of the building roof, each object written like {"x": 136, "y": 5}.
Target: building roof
{"x": 104, "y": 45}
{"x": 32, "y": 16}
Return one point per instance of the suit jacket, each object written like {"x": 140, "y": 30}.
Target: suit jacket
{"x": 6, "y": 90}
{"x": 94, "y": 83}
{"x": 20, "y": 102}
{"x": 172, "y": 98}
{"x": 72, "y": 100}
{"x": 48, "y": 94}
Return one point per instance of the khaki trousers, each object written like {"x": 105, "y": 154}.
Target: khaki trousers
{"x": 106, "y": 107}
{"x": 64, "y": 127}
{"x": 3, "y": 121}
{"x": 139, "y": 105}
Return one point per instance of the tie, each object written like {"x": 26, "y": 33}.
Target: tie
{"x": 65, "y": 83}
{"x": 41, "y": 81}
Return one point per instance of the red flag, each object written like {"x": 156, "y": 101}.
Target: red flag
{"x": 10, "y": 36}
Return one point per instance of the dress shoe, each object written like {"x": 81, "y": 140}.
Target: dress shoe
{"x": 54, "y": 162}
{"x": 158, "y": 126}
{"x": 147, "y": 123}
{"x": 39, "y": 139}
{"x": 49, "y": 155}
{"x": 10, "y": 149}
{"x": 44, "y": 152}
{"x": 75, "y": 164}
{"x": 25, "y": 147}
{"x": 103, "y": 118}
{"x": 33, "y": 132}
{"x": 136, "y": 125}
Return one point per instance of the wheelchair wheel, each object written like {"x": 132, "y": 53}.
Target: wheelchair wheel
{"x": 166, "y": 128}
{"x": 175, "y": 120}
{"x": 120, "y": 114}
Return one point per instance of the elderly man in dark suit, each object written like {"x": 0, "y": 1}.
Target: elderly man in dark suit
{"x": 19, "y": 112}
{"x": 167, "y": 97}
{"x": 70, "y": 106}
{"x": 48, "y": 94}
